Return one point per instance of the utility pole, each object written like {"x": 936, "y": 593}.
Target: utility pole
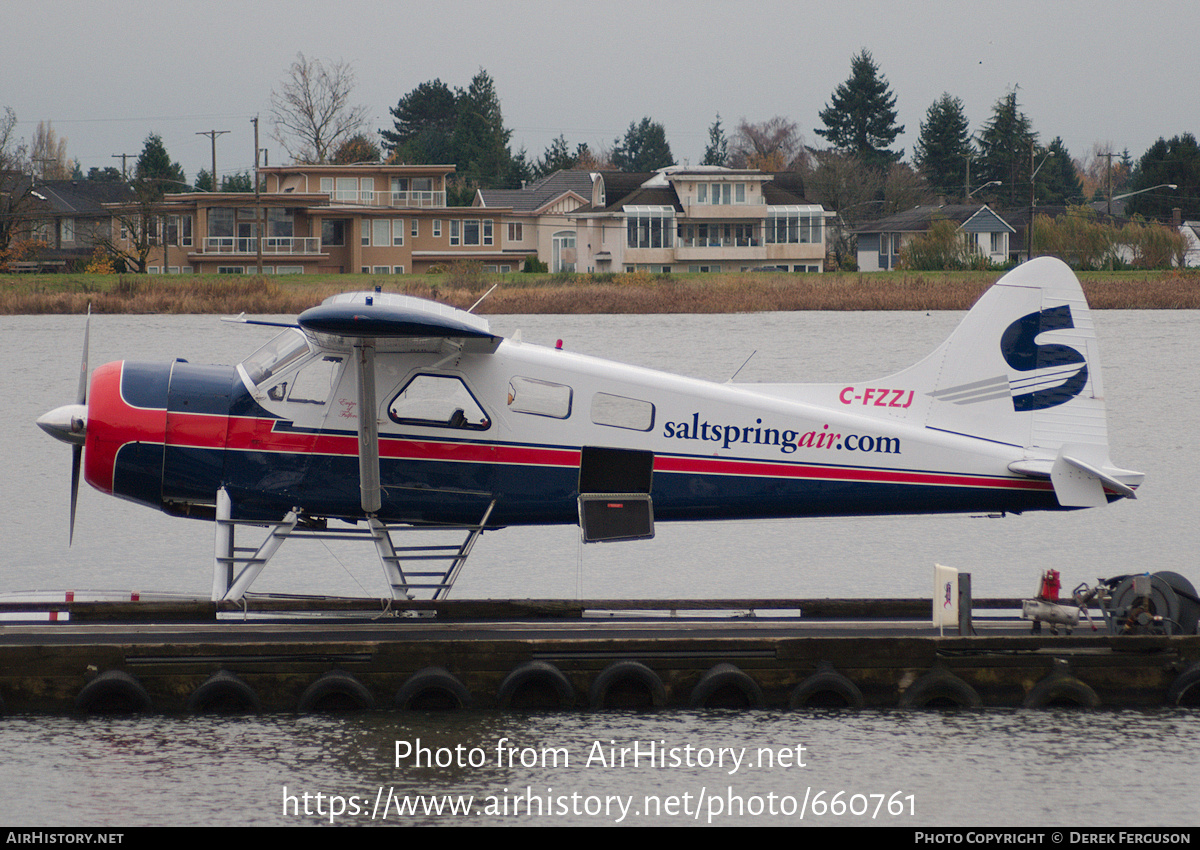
{"x": 123, "y": 157}
{"x": 212, "y": 134}
{"x": 1032, "y": 202}
{"x": 1108, "y": 179}
{"x": 258, "y": 213}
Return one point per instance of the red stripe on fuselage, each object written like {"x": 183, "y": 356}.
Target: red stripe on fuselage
{"x": 271, "y": 435}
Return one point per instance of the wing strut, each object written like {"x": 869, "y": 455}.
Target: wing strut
{"x": 368, "y": 427}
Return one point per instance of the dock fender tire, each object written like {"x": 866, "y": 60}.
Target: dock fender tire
{"x": 1061, "y": 689}
{"x": 627, "y": 673}
{"x": 722, "y": 681}
{"x": 826, "y": 688}
{"x": 536, "y": 673}
{"x": 113, "y": 691}
{"x": 336, "y": 690}
{"x": 432, "y": 688}
{"x": 224, "y": 692}
{"x": 940, "y": 687}
{"x": 1183, "y": 690}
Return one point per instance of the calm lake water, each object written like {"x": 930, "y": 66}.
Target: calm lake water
{"x": 993, "y": 767}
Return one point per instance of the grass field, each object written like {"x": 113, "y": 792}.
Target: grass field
{"x": 636, "y": 292}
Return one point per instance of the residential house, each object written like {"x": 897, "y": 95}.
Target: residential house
{"x": 369, "y": 218}
{"x": 1191, "y": 232}
{"x": 698, "y": 219}
{"x": 69, "y": 219}
{"x": 880, "y": 242}
{"x": 539, "y": 222}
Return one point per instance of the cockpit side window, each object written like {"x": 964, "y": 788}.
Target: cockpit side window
{"x": 437, "y": 401}
{"x": 314, "y": 382}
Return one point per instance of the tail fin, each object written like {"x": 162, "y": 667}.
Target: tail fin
{"x": 1023, "y": 369}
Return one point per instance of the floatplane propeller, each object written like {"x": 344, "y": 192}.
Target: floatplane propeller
{"x": 69, "y": 424}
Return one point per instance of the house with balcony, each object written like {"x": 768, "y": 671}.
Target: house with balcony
{"x": 366, "y": 218}
{"x": 539, "y": 220}
{"x": 699, "y": 219}
{"x": 985, "y": 232}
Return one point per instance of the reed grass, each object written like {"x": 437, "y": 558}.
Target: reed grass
{"x": 578, "y": 294}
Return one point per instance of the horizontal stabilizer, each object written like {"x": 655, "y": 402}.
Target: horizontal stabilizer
{"x": 1079, "y": 483}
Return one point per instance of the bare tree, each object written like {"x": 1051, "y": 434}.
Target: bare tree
{"x": 311, "y": 109}
{"x": 842, "y": 182}
{"x": 903, "y": 189}
{"x": 48, "y": 154}
{"x": 16, "y": 187}
{"x": 773, "y": 145}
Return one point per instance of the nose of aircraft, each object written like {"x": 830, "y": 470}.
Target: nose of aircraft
{"x": 67, "y": 423}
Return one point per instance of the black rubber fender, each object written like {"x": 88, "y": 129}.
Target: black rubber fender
{"x": 939, "y": 688}
{"x": 726, "y": 686}
{"x": 627, "y": 684}
{"x": 1061, "y": 689}
{"x": 113, "y": 692}
{"x": 826, "y": 688}
{"x": 336, "y": 690}
{"x": 522, "y": 687}
{"x": 224, "y": 693}
{"x": 1183, "y": 690}
{"x": 432, "y": 688}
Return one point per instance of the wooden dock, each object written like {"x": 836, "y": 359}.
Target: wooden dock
{"x": 320, "y": 655}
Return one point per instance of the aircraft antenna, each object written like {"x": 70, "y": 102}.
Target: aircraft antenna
{"x": 481, "y": 297}
{"x": 743, "y": 366}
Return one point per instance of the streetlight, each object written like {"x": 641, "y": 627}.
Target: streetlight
{"x": 1129, "y": 195}
{"x": 984, "y": 186}
{"x": 1139, "y": 191}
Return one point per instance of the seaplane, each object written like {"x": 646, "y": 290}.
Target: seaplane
{"x": 375, "y": 413}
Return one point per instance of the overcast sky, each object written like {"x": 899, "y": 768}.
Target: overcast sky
{"x": 109, "y": 73}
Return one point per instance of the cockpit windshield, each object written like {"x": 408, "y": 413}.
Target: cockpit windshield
{"x": 279, "y": 353}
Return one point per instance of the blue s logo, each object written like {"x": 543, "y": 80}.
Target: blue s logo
{"x": 1024, "y": 355}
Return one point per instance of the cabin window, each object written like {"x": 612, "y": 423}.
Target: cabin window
{"x": 620, "y": 412}
{"x": 281, "y": 352}
{"x": 540, "y": 398}
{"x": 437, "y": 401}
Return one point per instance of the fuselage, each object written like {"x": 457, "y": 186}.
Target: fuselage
{"x": 459, "y": 430}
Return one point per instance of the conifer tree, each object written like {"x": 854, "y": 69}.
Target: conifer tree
{"x": 717, "y": 151}
{"x": 643, "y": 148}
{"x": 943, "y": 147}
{"x": 155, "y": 167}
{"x": 860, "y": 118}
{"x": 1004, "y": 147}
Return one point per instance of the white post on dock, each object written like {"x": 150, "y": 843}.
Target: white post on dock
{"x": 945, "y": 597}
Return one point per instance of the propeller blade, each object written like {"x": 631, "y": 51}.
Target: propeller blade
{"x": 76, "y": 463}
{"x": 81, "y": 394}
{"x": 77, "y": 450}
